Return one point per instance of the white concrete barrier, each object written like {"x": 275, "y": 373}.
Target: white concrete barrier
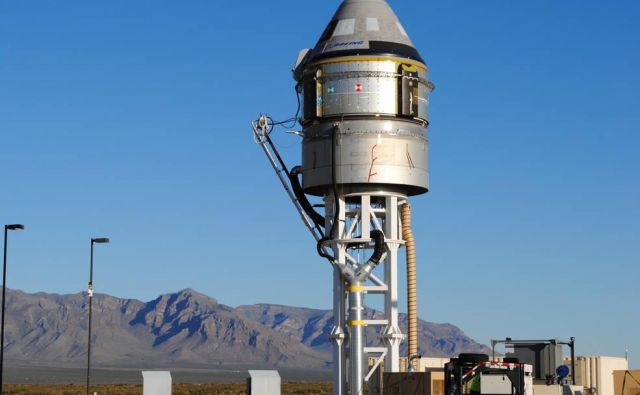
{"x": 156, "y": 383}
{"x": 263, "y": 382}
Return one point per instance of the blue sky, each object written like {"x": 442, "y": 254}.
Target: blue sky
{"x": 131, "y": 120}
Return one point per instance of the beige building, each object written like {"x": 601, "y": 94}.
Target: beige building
{"x": 595, "y": 373}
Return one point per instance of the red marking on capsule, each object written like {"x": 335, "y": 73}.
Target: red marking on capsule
{"x": 358, "y": 87}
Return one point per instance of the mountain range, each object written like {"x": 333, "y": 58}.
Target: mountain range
{"x": 185, "y": 328}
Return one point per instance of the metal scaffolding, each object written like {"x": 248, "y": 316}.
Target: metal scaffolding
{"x": 359, "y": 214}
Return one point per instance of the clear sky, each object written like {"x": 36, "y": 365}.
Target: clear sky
{"x": 130, "y": 119}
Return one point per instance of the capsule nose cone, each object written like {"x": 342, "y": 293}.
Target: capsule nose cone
{"x": 364, "y": 27}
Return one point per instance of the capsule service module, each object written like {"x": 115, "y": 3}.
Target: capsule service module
{"x": 365, "y": 101}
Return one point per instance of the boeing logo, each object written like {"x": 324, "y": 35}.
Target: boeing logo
{"x": 347, "y": 44}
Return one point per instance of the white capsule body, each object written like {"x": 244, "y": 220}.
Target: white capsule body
{"x": 378, "y": 108}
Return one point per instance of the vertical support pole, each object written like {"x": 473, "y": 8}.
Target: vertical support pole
{"x": 7, "y": 228}
{"x": 365, "y": 213}
{"x": 356, "y": 310}
{"x": 4, "y": 303}
{"x": 338, "y": 333}
{"x": 356, "y": 337}
{"x": 573, "y": 360}
{"x": 90, "y": 293}
{"x": 392, "y": 333}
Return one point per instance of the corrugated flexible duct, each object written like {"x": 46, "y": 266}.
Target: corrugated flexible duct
{"x": 410, "y": 244}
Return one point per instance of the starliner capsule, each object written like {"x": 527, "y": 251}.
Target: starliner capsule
{"x": 365, "y": 99}
{"x": 366, "y": 81}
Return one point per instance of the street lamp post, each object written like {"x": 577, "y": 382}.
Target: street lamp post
{"x": 7, "y": 228}
{"x": 102, "y": 240}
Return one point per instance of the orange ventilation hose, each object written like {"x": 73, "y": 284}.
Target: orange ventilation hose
{"x": 410, "y": 244}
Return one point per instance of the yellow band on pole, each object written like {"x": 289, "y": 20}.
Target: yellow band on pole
{"x": 356, "y": 288}
{"x": 357, "y": 323}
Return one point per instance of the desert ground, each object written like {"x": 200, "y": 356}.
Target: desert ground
{"x": 301, "y": 388}
{"x": 31, "y": 379}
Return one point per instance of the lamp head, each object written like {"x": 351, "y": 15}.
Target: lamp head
{"x": 14, "y": 227}
{"x": 101, "y": 240}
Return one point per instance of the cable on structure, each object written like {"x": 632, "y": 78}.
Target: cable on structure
{"x": 378, "y": 249}
{"x": 291, "y": 122}
{"x": 317, "y": 218}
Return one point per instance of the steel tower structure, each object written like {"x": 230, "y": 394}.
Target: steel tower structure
{"x": 364, "y": 90}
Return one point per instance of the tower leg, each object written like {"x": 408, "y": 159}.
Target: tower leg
{"x": 352, "y": 248}
{"x": 356, "y": 338}
{"x": 338, "y": 333}
{"x": 392, "y": 333}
